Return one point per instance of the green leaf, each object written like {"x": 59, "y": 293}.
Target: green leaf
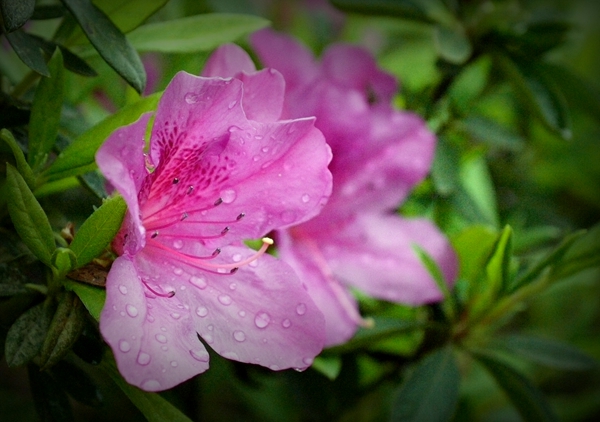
{"x": 98, "y": 230}
{"x": 12, "y": 280}
{"x": 64, "y": 260}
{"x": 492, "y": 133}
{"x": 444, "y": 171}
{"x": 583, "y": 253}
{"x": 330, "y": 366}
{"x": 26, "y": 336}
{"x": 154, "y": 407}
{"x": 45, "y": 112}
{"x": 194, "y": 33}
{"x": 93, "y": 298}
{"x": 77, "y": 383}
{"x": 28, "y": 217}
{"x": 109, "y": 41}
{"x": 477, "y": 184}
{"x": 470, "y": 83}
{"x": 404, "y": 9}
{"x": 498, "y": 266}
{"x": 28, "y": 50}
{"x": 546, "y": 352}
{"x": 50, "y": 400}
{"x": 430, "y": 391}
{"x": 528, "y": 400}
{"x": 20, "y": 160}
{"x": 65, "y": 328}
{"x": 79, "y": 157}
{"x": 452, "y": 43}
{"x": 15, "y": 13}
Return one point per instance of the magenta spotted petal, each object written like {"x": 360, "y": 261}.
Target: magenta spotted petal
{"x": 213, "y": 177}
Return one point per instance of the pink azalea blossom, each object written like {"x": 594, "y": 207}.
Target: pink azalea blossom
{"x": 379, "y": 155}
{"x": 221, "y": 167}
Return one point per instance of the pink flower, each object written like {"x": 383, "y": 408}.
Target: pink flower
{"x": 221, "y": 168}
{"x": 379, "y": 155}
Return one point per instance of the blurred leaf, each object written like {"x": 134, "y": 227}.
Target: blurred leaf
{"x": 48, "y": 11}
{"x": 330, "y": 366}
{"x": 110, "y": 42}
{"x": 452, "y": 44}
{"x": 154, "y": 407}
{"x": 444, "y": 171}
{"x": 405, "y": 9}
{"x": 497, "y": 268}
{"x": 534, "y": 40}
{"x": 477, "y": 183}
{"x": 79, "y": 157}
{"x": 430, "y": 391}
{"x": 28, "y": 217}
{"x": 470, "y": 83}
{"x": 50, "y": 400}
{"x": 546, "y": 352}
{"x": 26, "y": 336}
{"x": 28, "y": 50}
{"x": 66, "y": 326}
{"x": 433, "y": 269}
{"x": 194, "y": 33}
{"x": 98, "y": 230}
{"x": 583, "y": 253}
{"x": 77, "y": 383}
{"x": 528, "y": 400}
{"x": 20, "y": 160}
{"x": 15, "y": 13}
{"x": 94, "y": 181}
{"x": 12, "y": 281}
{"x": 45, "y": 112}
{"x": 92, "y": 297}
{"x": 492, "y": 133}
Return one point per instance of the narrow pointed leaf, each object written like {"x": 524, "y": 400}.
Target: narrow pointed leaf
{"x": 98, "y": 230}
{"x": 20, "y": 160}
{"x": 93, "y": 298}
{"x": 15, "y": 13}
{"x": 497, "y": 268}
{"x": 26, "y": 336}
{"x": 45, "y": 112}
{"x": 109, "y": 41}
{"x": 430, "y": 392}
{"x": 28, "y": 50}
{"x": 584, "y": 253}
{"x": 28, "y": 217}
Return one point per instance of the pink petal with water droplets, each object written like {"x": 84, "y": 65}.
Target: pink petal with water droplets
{"x": 375, "y": 254}
{"x": 227, "y": 61}
{"x": 154, "y": 350}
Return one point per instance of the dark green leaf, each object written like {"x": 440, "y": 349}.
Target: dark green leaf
{"x": 154, "y": 407}
{"x": 94, "y": 182}
{"x": 477, "y": 184}
{"x": 15, "y": 13}
{"x": 28, "y": 50}
{"x": 50, "y": 400}
{"x": 194, "y": 33}
{"x": 110, "y": 42}
{"x": 48, "y": 11}
{"x": 12, "y": 281}
{"x": 470, "y": 83}
{"x": 528, "y": 400}
{"x": 79, "y": 157}
{"x": 45, "y": 113}
{"x": 452, "y": 44}
{"x": 497, "y": 268}
{"x": 77, "y": 383}
{"x": 430, "y": 391}
{"x": 584, "y": 253}
{"x": 444, "y": 171}
{"x": 26, "y": 336}
{"x": 330, "y": 366}
{"x": 28, "y": 217}
{"x": 65, "y": 328}
{"x": 92, "y": 297}
{"x": 98, "y": 230}
{"x": 547, "y": 352}
{"x": 405, "y": 9}
{"x": 492, "y": 133}
{"x": 20, "y": 160}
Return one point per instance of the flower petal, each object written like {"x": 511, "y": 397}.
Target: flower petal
{"x": 153, "y": 339}
{"x": 375, "y": 254}
{"x": 260, "y": 314}
{"x": 263, "y": 94}
{"x": 227, "y": 61}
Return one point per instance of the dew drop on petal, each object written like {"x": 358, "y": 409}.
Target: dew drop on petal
{"x": 177, "y": 271}
{"x": 178, "y": 244}
{"x": 230, "y": 355}
{"x": 174, "y": 364}
{"x": 225, "y": 300}
{"x": 286, "y": 323}
{"x": 262, "y": 319}
{"x": 200, "y": 355}
{"x": 143, "y": 358}
{"x": 288, "y": 216}
{"x": 151, "y": 385}
{"x": 274, "y": 367}
{"x": 149, "y": 318}
{"x": 175, "y": 315}
{"x": 123, "y": 289}
{"x": 253, "y": 264}
{"x": 161, "y": 338}
{"x": 124, "y": 346}
{"x": 201, "y": 311}
{"x": 239, "y": 336}
{"x": 305, "y": 198}
{"x": 242, "y": 313}
{"x": 308, "y": 361}
{"x": 228, "y": 196}
{"x": 232, "y": 286}
{"x": 208, "y": 338}
{"x": 237, "y": 257}
{"x": 265, "y": 149}
{"x": 191, "y": 98}
{"x": 232, "y": 104}
{"x": 301, "y": 309}
{"x": 256, "y": 158}
{"x": 199, "y": 282}
{"x": 132, "y": 311}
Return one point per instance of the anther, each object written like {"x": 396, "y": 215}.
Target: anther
{"x": 190, "y": 189}
{"x": 168, "y": 294}
{"x": 176, "y": 180}
{"x": 218, "y": 202}
{"x": 216, "y": 252}
{"x": 240, "y": 216}
{"x": 234, "y": 270}
{"x": 184, "y": 216}
{"x": 225, "y": 230}
{"x": 153, "y": 236}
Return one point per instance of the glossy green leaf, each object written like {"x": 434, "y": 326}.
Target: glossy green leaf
{"x": 98, "y": 230}
{"x": 154, "y": 407}
{"x": 28, "y": 217}
{"x": 452, "y": 44}
{"x": 26, "y": 336}
{"x": 430, "y": 391}
{"x": 547, "y": 352}
{"x": 330, "y": 366}
{"x": 497, "y": 268}
{"x": 50, "y": 400}
{"x": 109, "y": 41}
{"x": 528, "y": 400}
{"x": 194, "y": 33}
{"x": 579, "y": 92}
{"x": 20, "y": 160}
{"x": 27, "y": 48}
{"x": 79, "y": 157}
{"x": 15, "y": 13}
{"x": 477, "y": 183}
{"x": 45, "y": 112}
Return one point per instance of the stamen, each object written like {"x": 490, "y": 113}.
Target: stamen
{"x": 240, "y": 216}
{"x": 168, "y": 294}
{"x": 153, "y": 235}
{"x": 176, "y": 180}
{"x": 190, "y": 189}
{"x": 184, "y": 216}
{"x": 225, "y": 230}
{"x": 218, "y": 201}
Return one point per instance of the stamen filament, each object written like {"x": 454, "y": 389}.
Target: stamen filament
{"x": 169, "y": 294}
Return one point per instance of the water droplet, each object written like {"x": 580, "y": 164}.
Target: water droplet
{"x": 164, "y": 348}
{"x": 253, "y": 264}
{"x": 228, "y": 196}
{"x": 286, "y": 323}
{"x": 274, "y": 367}
{"x": 191, "y": 98}
{"x": 199, "y": 282}
{"x": 242, "y": 313}
{"x": 177, "y": 271}
{"x": 178, "y": 244}
{"x": 239, "y": 336}
{"x": 237, "y": 257}
{"x": 151, "y": 385}
{"x": 131, "y": 311}
{"x": 262, "y": 319}
{"x": 232, "y": 286}
{"x": 210, "y": 327}
{"x": 225, "y": 300}
{"x": 174, "y": 364}
{"x": 232, "y": 104}
{"x": 305, "y": 198}
{"x": 149, "y": 318}
{"x": 161, "y": 338}
{"x": 208, "y": 338}
{"x": 256, "y": 158}
{"x": 267, "y": 164}
{"x": 124, "y": 346}
{"x": 163, "y": 329}
{"x": 175, "y": 315}
{"x": 308, "y": 361}
{"x": 265, "y": 149}
{"x": 123, "y": 289}
{"x": 300, "y": 369}
{"x": 201, "y": 311}
{"x": 301, "y": 309}
{"x": 200, "y": 355}
{"x": 221, "y": 270}
{"x": 288, "y": 216}
{"x": 258, "y": 137}
{"x": 143, "y": 358}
